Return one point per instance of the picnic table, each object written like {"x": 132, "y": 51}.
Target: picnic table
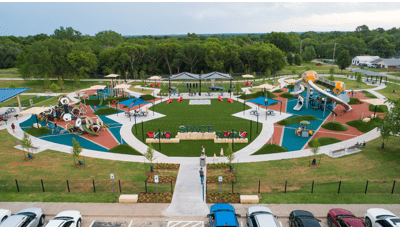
{"x": 222, "y": 93}
{"x": 209, "y": 94}
{"x": 254, "y": 112}
{"x": 270, "y": 112}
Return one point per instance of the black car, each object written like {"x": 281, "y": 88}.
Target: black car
{"x": 301, "y": 218}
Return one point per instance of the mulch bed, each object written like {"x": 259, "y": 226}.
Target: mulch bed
{"x": 150, "y": 197}
{"x": 217, "y": 166}
{"x": 161, "y": 179}
{"x": 226, "y": 179}
{"x": 166, "y": 166}
{"x": 148, "y": 173}
{"x": 226, "y": 198}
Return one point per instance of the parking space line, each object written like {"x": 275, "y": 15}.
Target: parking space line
{"x": 92, "y": 223}
{"x": 130, "y": 224}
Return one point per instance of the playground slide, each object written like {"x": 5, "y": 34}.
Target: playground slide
{"x": 297, "y": 85}
{"x": 86, "y": 129}
{"x": 101, "y": 101}
{"x": 300, "y": 103}
{"x": 346, "y": 106}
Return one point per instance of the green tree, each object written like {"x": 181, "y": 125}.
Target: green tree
{"x": 46, "y": 82}
{"x": 229, "y": 154}
{"x": 315, "y": 147}
{"x": 294, "y": 71}
{"x": 297, "y": 59}
{"x": 359, "y": 78}
{"x": 109, "y": 38}
{"x": 169, "y": 52}
{"x": 290, "y": 58}
{"x": 214, "y": 54}
{"x": 331, "y": 78}
{"x": 142, "y": 74}
{"x": 67, "y": 34}
{"x": 281, "y": 40}
{"x": 26, "y": 142}
{"x": 82, "y": 63}
{"x": 309, "y": 54}
{"x": 54, "y": 88}
{"x": 60, "y": 82}
{"x": 149, "y": 155}
{"x": 332, "y": 70}
{"x": 343, "y": 60}
{"x": 76, "y": 150}
{"x": 12, "y": 86}
{"x": 254, "y": 74}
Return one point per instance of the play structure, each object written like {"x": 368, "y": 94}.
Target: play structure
{"x": 248, "y": 84}
{"x": 337, "y": 88}
{"x": 87, "y": 125}
{"x": 64, "y": 110}
{"x": 220, "y": 99}
{"x": 304, "y": 129}
{"x": 213, "y": 87}
{"x": 230, "y": 100}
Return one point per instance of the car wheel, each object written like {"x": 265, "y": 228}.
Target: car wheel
{"x": 4, "y": 218}
{"x": 79, "y": 223}
{"x": 368, "y": 222}
{"x": 329, "y": 221}
{"x": 41, "y": 221}
{"x": 291, "y": 224}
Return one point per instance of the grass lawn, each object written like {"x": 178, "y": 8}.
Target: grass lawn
{"x": 106, "y": 111}
{"x": 335, "y": 126}
{"x": 324, "y": 141}
{"x": 7, "y": 75}
{"x": 138, "y": 90}
{"x": 368, "y": 94}
{"x": 388, "y": 91}
{"x": 297, "y": 119}
{"x": 218, "y": 114}
{"x": 278, "y": 91}
{"x": 38, "y": 132}
{"x": 365, "y": 127}
{"x": 148, "y": 97}
{"x": 353, "y": 101}
{"x": 270, "y": 148}
{"x": 287, "y": 95}
{"x": 36, "y": 86}
{"x": 125, "y": 149}
{"x": 25, "y": 100}
{"x": 54, "y": 168}
{"x": 379, "y": 108}
{"x": 258, "y": 94}
{"x": 352, "y": 84}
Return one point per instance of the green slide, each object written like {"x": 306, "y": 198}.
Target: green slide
{"x": 86, "y": 129}
{"x": 101, "y": 101}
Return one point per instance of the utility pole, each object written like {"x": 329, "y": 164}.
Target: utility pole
{"x": 301, "y": 42}
{"x": 334, "y": 49}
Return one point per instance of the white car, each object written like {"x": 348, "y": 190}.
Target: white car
{"x": 260, "y": 216}
{"x": 379, "y": 217}
{"x": 4, "y": 214}
{"x": 68, "y": 218}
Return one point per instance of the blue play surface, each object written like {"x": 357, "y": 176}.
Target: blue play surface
{"x": 115, "y": 127}
{"x": 291, "y": 141}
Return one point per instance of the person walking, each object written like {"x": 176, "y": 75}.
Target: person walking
{"x": 13, "y": 127}
{"x": 352, "y": 92}
{"x": 215, "y": 157}
{"x": 203, "y": 151}
{"x": 201, "y": 175}
{"x": 52, "y": 128}
{"x": 221, "y": 154}
{"x": 56, "y": 127}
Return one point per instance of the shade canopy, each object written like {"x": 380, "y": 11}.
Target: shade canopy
{"x": 266, "y": 86}
{"x": 98, "y": 87}
{"x": 6, "y": 94}
{"x": 376, "y": 102}
{"x": 34, "y": 110}
{"x": 247, "y": 76}
{"x": 368, "y": 73}
{"x": 185, "y": 76}
{"x": 122, "y": 86}
{"x": 216, "y": 75}
{"x": 112, "y": 75}
{"x": 290, "y": 81}
{"x": 154, "y": 78}
{"x": 261, "y": 101}
{"x": 132, "y": 102}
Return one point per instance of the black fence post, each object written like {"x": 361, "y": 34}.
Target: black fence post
{"x": 285, "y": 186}
{"x": 42, "y": 185}
{"x": 171, "y": 188}
{"x": 312, "y": 187}
{"x": 251, "y": 125}
{"x": 394, "y": 183}
{"x": 94, "y": 187}
{"x": 145, "y": 185}
{"x": 259, "y": 185}
{"x": 68, "y": 186}
{"x": 119, "y": 183}
{"x": 366, "y": 187}
{"x": 16, "y": 182}
{"x": 142, "y": 132}
{"x": 232, "y": 187}
{"x": 340, "y": 183}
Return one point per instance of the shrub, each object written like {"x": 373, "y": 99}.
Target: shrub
{"x": 335, "y": 126}
{"x": 323, "y": 141}
{"x": 270, "y": 148}
{"x": 297, "y": 119}
{"x": 287, "y": 95}
{"x": 38, "y": 131}
{"x": 354, "y": 100}
{"x": 125, "y": 149}
{"x": 365, "y": 126}
{"x": 106, "y": 111}
{"x": 379, "y": 108}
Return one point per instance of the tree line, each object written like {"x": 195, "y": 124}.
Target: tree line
{"x": 69, "y": 54}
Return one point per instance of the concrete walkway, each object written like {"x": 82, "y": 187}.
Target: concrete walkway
{"x": 188, "y": 194}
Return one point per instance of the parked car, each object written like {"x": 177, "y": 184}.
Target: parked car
{"x": 338, "y": 217}
{"x": 301, "y": 218}
{"x": 4, "y": 214}
{"x": 223, "y": 215}
{"x": 260, "y": 216}
{"x": 379, "y": 217}
{"x": 29, "y": 217}
{"x": 318, "y": 64}
{"x": 70, "y": 218}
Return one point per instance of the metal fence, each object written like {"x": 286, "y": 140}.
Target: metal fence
{"x": 88, "y": 186}
{"x": 255, "y": 187}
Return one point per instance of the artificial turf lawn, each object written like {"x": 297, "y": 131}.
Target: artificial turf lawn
{"x": 258, "y": 94}
{"x": 38, "y": 132}
{"x": 270, "y": 148}
{"x": 365, "y": 126}
{"x": 125, "y": 149}
{"x": 287, "y": 95}
{"x": 297, "y": 119}
{"x": 324, "y": 141}
{"x": 148, "y": 97}
{"x": 218, "y": 114}
{"x": 106, "y": 111}
{"x": 353, "y": 101}
{"x": 379, "y": 108}
{"x": 368, "y": 94}
{"x": 278, "y": 91}
{"x": 334, "y": 126}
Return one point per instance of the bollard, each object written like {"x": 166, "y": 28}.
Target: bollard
{"x": 171, "y": 188}
{"x": 16, "y": 182}
{"x": 119, "y": 183}
{"x": 340, "y": 183}
{"x": 259, "y": 184}
{"x": 285, "y": 186}
{"x": 394, "y": 183}
{"x": 68, "y": 186}
{"x": 145, "y": 185}
{"x": 312, "y": 187}
{"x": 42, "y": 185}
{"x": 94, "y": 187}
{"x": 366, "y": 187}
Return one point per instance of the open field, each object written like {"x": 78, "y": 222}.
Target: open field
{"x": 352, "y": 84}
{"x": 37, "y": 86}
{"x": 388, "y": 91}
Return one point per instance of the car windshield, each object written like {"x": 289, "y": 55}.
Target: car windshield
{"x": 63, "y": 218}
{"x": 306, "y": 217}
{"x": 260, "y": 212}
{"x": 383, "y": 217}
{"x": 27, "y": 214}
{"x": 396, "y": 221}
{"x": 345, "y": 216}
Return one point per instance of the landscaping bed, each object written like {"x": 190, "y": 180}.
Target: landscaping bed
{"x": 161, "y": 179}
{"x": 368, "y": 94}
{"x": 226, "y": 198}
{"x": 164, "y": 197}
{"x": 354, "y": 100}
{"x": 324, "y": 141}
{"x": 379, "y": 108}
{"x": 297, "y": 119}
{"x": 335, "y": 126}
{"x": 38, "y": 131}
{"x": 106, "y": 111}
{"x": 287, "y": 95}
{"x": 218, "y": 166}
{"x": 125, "y": 149}
{"x": 365, "y": 126}
{"x": 166, "y": 166}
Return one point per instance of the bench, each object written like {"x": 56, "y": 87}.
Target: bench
{"x": 337, "y": 151}
{"x": 222, "y": 93}
{"x": 352, "y": 147}
{"x": 209, "y": 94}
{"x": 254, "y": 112}
{"x": 128, "y": 198}
{"x": 270, "y": 112}
{"x": 249, "y": 199}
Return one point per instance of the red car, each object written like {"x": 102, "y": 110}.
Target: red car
{"x": 338, "y": 217}
{"x": 318, "y": 64}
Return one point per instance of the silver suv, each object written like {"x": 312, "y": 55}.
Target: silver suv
{"x": 29, "y": 217}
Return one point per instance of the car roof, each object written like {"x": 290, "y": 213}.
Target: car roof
{"x": 340, "y": 211}
{"x": 266, "y": 220}
{"x": 221, "y": 206}
{"x": 33, "y": 210}
{"x": 302, "y": 213}
{"x": 310, "y": 223}
{"x": 379, "y": 211}
{"x": 54, "y": 223}
{"x": 354, "y": 222}
{"x": 258, "y": 209}
{"x": 225, "y": 218}
{"x": 12, "y": 221}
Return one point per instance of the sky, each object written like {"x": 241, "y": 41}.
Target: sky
{"x": 163, "y": 18}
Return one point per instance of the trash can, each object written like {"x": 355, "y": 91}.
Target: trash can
{"x": 202, "y": 161}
